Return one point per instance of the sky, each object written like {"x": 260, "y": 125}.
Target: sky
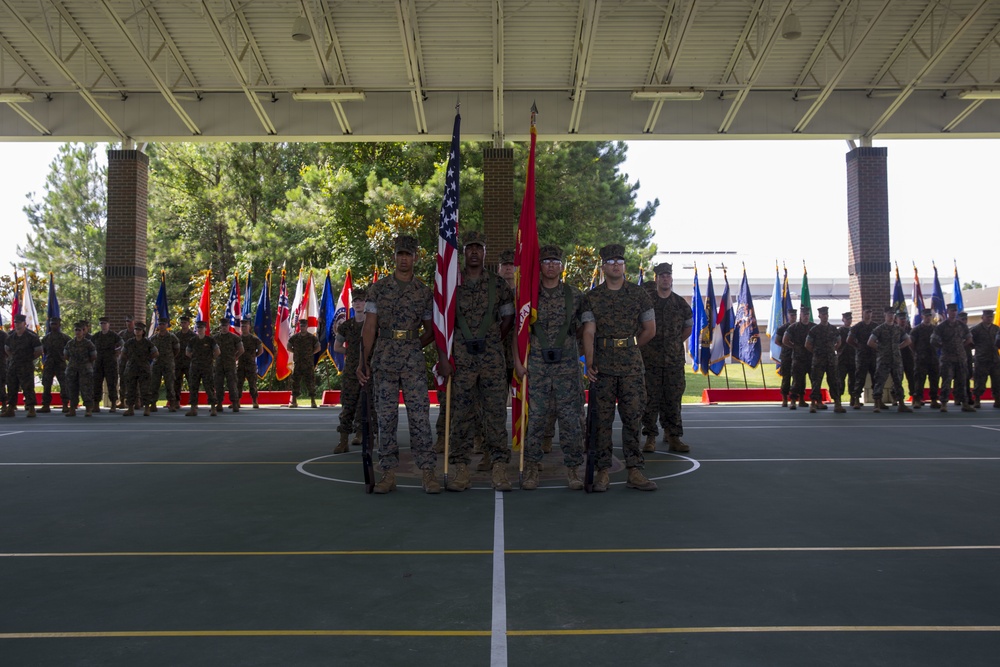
{"x": 766, "y": 200}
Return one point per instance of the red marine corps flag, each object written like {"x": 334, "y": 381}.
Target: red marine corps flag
{"x": 526, "y": 298}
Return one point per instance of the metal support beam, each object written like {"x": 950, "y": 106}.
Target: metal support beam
{"x": 498, "y": 59}
{"x": 31, "y": 120}
{"x": 168, "y": 40}
{"x": 324, "y": 65}
{"x": 241, "y": 19}
{"x": 590, "y": 11}
{"x": 21, "y": 62}
{"x": 88, "y": 45}
{"x": 407, "y": 15}
{"x": 903, "y": 43}
{"x": 742, "y": 41}
{"x": 671, "y": 59}
{"x": 831, "y": 27}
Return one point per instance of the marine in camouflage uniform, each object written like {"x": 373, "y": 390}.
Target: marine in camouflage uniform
{"x": 348, "y": 343}
{"x": 396, "y": 308}
{"x": 865, "y": 356}
{"x": 3, "y": 372}
{"x": 22, "y": 347}
{"x": 53, "y": 365}
{"x": 182, "y": 364}
{"x": 108, "y": 345}
{"x": 230, "y": 349}
{"x": 952, "y": 338}
{"x": 135, "y": 382}
{"x": 304, "y": 347}
{"x": 624, "y": 320}
{"x": 168, "y": 347}
{"x": 963, "y": 317}
{"x": 847, "y": 357}
{"x": 785, "y": 361}
{"x": 984, "y": 340}
{"x": 556, "y": 386}
{"x": 126, "y": 335}
{"x": 926, "y": 365}
{"x": 246, "y": 367}
{"x": 202, "y": 351}
{"x": 823, "y": 341}
{"x": 888, "y": 339}
{"x": 906, "y": 354}
{"x": 663, "y": 359}
{"x": 484, "y": 315}
{"x": 795, "y": 338}
{"x": 80, "y": 354}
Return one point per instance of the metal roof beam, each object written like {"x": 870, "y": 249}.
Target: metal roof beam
{"x": 406, "y": 13}
{"x": 31, "y": 120}
{"x": 168, "y": 40}
{"x": 824, "y": 41}
{"x": 21, "y": 62}
{"x": 87, "y": 44}
{"x": 241, "y": 19}
{"x": 742, "y": 41}
{"x": 498, "y": 60}
{"x": 686, "y": 21}
{"x": 903, "y": 43}
{"x": 928, "y": 66}
{"x": 161, "y": 85}
{"x": 976, "y": 52}
{"x": 590, "y": 11}
{"x": 324, "y": 65}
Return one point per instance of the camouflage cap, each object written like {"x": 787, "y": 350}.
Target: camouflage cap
{"x": 20, "y": 318}
{"x": 185, "y": 318}
{"x": 104, "y": 319}
{"x": 81, "y": 324}
{"x": 163, "y": 323}
{"x": 224, "y": 320}
{"x": 359, "y": 294}
{"x": 888, "y": 309}
{"x": 474, "y": 237}
{"x": 823, "y": 310}
{"x": 988, "y": 312}
{"x": 550, "y": 252}
{"x": 202, "y": 324}
{"x": 613, "y": 251}
{"x": 962, "y": 315}
{"x": 927, "y": 312}
{"x": 406, "y": 243}
{"x": 128, "y": 318}
{"x": 245, "y": 323}
{"x": 901, "y": 314}
{"x": 952, "y": 306}
{"x": 663, "y": 267}
{"x": 139, "y": 325}
{"x": 507, "y": 257}
{"x": 847, "y": 316}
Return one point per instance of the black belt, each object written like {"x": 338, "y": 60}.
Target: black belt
{"x": 398, "y": 334}
{"x": 617, "y": 342}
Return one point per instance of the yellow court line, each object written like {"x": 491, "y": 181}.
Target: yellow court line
{"x": 182, "y": 463}
{"x": 209, "y": 554}
{"x": 696, "y": 550}
{"x": 510, "y": 633}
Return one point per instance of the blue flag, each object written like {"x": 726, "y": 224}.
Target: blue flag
{"x": 162, "y": 311}
{"x": 53, "y": 305}
{"x": 746, "y": 336}
{"x": 937, "y": 297}
{"x": 898, "y": 298}
{"x": 722, "y": 334}
{"x": 327, "y": 335}
{"x": 263, "y": 326}
{"x": 247, "y": 293}
{"x": 776, "y": 318}
{"x": 957, "y": 290}
{"x": 700, "y": 322}
{"x": 708, "y": 331}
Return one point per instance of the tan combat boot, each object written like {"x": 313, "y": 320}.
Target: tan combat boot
{"x": 31, "y": 411}
{"x": 573, "y": 480}
{"x": 172, "y": 406}
{"x": 530, "y": 482}
{"x": 193, "y": 412}
{"x": 546, "y": 444}
{"x": 461, "y": 481}
{"x": 313, "y": 405}
{"x": 387, "y": 483}
{"x": 129, "y": 412}
{"x": 784, "y": 401}
{"x": 601, "y": 481}
{"x": 500, "y": 481}
{"x": 8, "y": 411}
{"x": 343, "y": 447}
{"x": 903, "y": 407}
{"x": 430, "y": 483}
{"x": 650, "y": 445}
{"x": 838, "y": 408}
{"x": 213, "y": 412}
{"x": 944, "y": 406}
{"x": 677, "y": 445}
{"x": 113, "y": 409}
{"x": 878, "y": 405}
{"x": 356, "y": 440}
{"x": 153, "y": 408}
{"x": 256, "y": 405}
{"x": 145, "y": 413}
{"x": 636, "y": 480}
{"x": 792, "y": 403}
{"x": 812, "y": 407}
{"x": 85, "y": 414}
{"x": 71, "y": 412}
{"x": 45, "y": 409}
{"x": 966, "y": 407}
{"x": 294, "y": 403}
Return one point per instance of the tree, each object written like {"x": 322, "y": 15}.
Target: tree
{"x": 68, "y": 229}
{"x": 972, "y": 284}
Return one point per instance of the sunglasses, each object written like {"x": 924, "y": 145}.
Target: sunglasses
{"x": 619, "y": 262}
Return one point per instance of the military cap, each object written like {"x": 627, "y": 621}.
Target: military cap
{"x": 202, "y": 324}
{"x": 962, "y": 315}
{"x": 81, "y": 324}
{"x": 927, "y": 312}
{"x": 236, "y": 322}
{"x": 128, "y": 318}
{"x": 866, "y": 309}
{"x": 507, "y": 257}
{"x": 664, "y": 267}
{"x": 104, "y": 319}
{"x": 164, "y": 323}
{"x": 406, "y": 243}
{"x": 185, "y": 318}
{"x": 303, "y": 319}
{"x": 55, "y": 319}
{"x": 888, "y": 309}
{"x": 901, "y": 314}
{"x": 988, "y": 312}
{"x": 138, "y": 324}
{"x": 223, "y": 320}
{"x": 847, "y": 315}
{"x": 245, "y": 322}
{"x": 550, "y": 252}
{"x": 823, "y": 309}
{"x": 20, "y": 318}
{"x": 473, "y": 236}
{"x": 613, "y": 251}
{"x": 952, "y": 306}
{"x": 359, "y": 294}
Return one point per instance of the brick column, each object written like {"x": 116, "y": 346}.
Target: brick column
{"x": 499, "y": 222}
{"x": 125, "y": 256}
{"x": 868, "y": 229}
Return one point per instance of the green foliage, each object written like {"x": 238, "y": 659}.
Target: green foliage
{"x": 973, "y": 284}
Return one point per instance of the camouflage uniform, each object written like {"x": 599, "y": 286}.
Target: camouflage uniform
{"x": 225, "y": 366}
{"x": 823, "y": 338}
{"x": 168, "y": 347}
{"x": 349, "y": 335}
{"x": 619, "y": 315}
{"x": 556, "y": 388}
{"x": 202, "y": 351}
{"x": 21, "y": 367}
{"x": 80, "y": 356}
{"x": 663, "y": 359}
{"x": 480, "y": 377}
{"x": 925, "y": 362}
{"x": 135, "y": 381}
{"x": 864, "y": 358}
{"x": 801, "y": 358}
{"x": 398, "y": 364}
{"x": 888, "y": 360}
{"x": 106, "y": 368}
{"x": 907, "y": 357}
{"x": 126, "y": 335}
{"x": 785, "y": 359}
{"x": 301, "y": 346}
{"x": 950, "y": 337}
{"x": 847, "y": 358}
{"x": 984, "y": 337}
{"x": 3, "y": 368}
{"x": 182, "y": 364}
{"x": 246, "y": 367}
{"x": 53, "y": 344}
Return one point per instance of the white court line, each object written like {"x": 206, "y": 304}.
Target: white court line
{"x": 498, "y": 638}
{"x": 227, "y": 428}
{"x": 813, "y": 425}
{"x": 10, "y": 433}
{"x": 988, "y": 428}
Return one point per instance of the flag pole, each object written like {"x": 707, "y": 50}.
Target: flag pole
{"x": 725, "y": 367}
{"x": 447, "y": 428}
{"x": 746, "y": 385}
{"x": 524, "y": 423}
{"x": 762, "y": 378}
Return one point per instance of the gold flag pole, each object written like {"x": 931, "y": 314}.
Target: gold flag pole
{"x": 447, "y": 428}
{"x": 524, "y": 423}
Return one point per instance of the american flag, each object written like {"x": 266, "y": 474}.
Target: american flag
{"x": 282, "y": 331}
{"x": 446, "y": 274}
{"x": 233, "y": 307}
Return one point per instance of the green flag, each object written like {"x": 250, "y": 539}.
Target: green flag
{"x": 805, "y": 301}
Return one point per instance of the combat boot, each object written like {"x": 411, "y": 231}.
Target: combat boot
{"x": 944, "y": 406}
{"x": 65, "y": 408}
{"x": 903, "y": 407}
{"x": 500, "y": 481}
{"x": 573, "y": 480}
{"x": 530, "y": 482}
{"x": 546, "y": 444}
{"x": 838, "y": 408}
{"x": 171, "y": 406}
{"x": 85, "y": 414}
{"x": 343, "y": 447}
{"x": 916, "y": 404}
{"x": 213, "y": 412}
{"x": 8, "y": 411}
{"x": 792, "y": 403}
{"x": 193, "y": 412}
{"x": 820, "y": 405}
{"x": 461, "y": 481}
{"x": 256, "y": 405}
{"x": 236, "y": 407}
{"x": 438, "y": 444}
{"x": 636, "y": 480}
{"x": 356, "y": 440}
{"x": 784, "y": 401}
{"x": 97, "y": 407}
{"x": 387, "y": 483}
{"x": 802, "y": 403}
{"x": 31, "y": 412}
{"x": 112, "y": 409}
{"x": 294, "y": 403}
{"x": 878, "y": 405}
{"x": 153, "y": 408}
{"x": 966, "y": 407}
{"x": 45, "y": 409}
{"x": 677, "y": 445}
{"x": 71, "y": 412}
{"x": 429, "y": 482}
{"x": 128, "y": 412}
{"x": 856, "y": 403}
{"x": 601, "y": 481}
{"x": 812, "y": 407}
{"x": 650, "y": 445}
{"x": 145, "y": 413}
{"x": 935, "y": 405}
{"x": 978, "y": 404}
{"x": 485, "y": 464}
{"x": 313, "y": 404}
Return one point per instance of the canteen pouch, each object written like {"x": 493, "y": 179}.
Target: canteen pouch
{"x": 552, "y": 355}
{"x": 475, "y": 346}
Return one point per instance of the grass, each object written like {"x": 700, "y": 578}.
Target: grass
{"x": 762, "y": 377}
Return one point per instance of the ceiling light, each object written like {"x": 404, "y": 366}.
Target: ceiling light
{"x": 980, "y": 94}
{"x": 658, "y": 94}
{"x": 14, "y": 96}
{"x": 791, "y": 27}
{"x": 300, "y": 30}
{"x": 329, "y": 96}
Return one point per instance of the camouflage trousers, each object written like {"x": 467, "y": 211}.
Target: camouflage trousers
{"x": 664, "y": 389}
{"x": 439, "y": 423}
{"x": 845, "y": 372}
{"x": 825, "y": 366}
{"x": 304, "y": 373}
{"x": 413, "y": 384}
{"x": 53, "y": 369}
{"x": 924, "y": 370}
{"x": 863, "y": 367}
{"x": 225, "y": 378}
{"x": 135, "y": 384}
{"x": 630, "y": 394}
{"x": 909, "y": 370}
{"x": 986, "y": 370}
{"x": 786, "y": 375}
{"x": 80, "y": 381}
{"x": 246, "y": 373}
{"x": 479, "y": 404}
{"x": 181, "y": 370}
{"x": 106, "y": 369}
{"x": 164, "y": 372}
{"x": 884, "y": 369}
{"x": 21, "y": 377}
{"x": 801, "y": 367}
{"x": 350, "y": 396}
{"x": 954, "y": 372}
{"x": 201, "y": 376}
{"x": 553, "y": 396}
{"x": 3, "y": 381}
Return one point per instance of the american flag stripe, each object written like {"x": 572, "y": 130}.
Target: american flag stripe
{"x": 446, "y": 274}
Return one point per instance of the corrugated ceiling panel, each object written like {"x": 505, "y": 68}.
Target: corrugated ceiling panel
{"x": 539, "y": 44}
{"x": 457, "y": 43}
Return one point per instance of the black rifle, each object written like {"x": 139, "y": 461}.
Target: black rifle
{"x": 366, "y": 429}
{"x": 588, "y": 477}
